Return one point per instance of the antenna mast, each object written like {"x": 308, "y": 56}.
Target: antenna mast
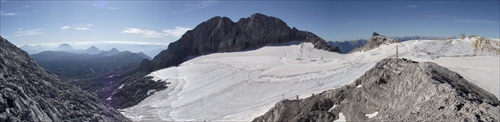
{"x": 397, "y": 53}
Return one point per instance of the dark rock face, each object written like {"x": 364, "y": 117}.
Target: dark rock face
{"x": 29, "y": 93}
{"x": 220, "y": 34}
{"x": 399, "y": 90}
{"x": 375, "y": 42}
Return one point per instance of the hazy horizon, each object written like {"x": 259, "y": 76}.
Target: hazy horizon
{"x": 39, "y": 22}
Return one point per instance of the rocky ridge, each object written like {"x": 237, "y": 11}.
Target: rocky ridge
{"x": 395, "y": 90}
{"x": 29, "y": 93}
{"x": 375, "y": 41}
{"x": 484, "y": 45}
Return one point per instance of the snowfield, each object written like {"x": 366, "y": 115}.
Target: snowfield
{"x": 240, "y": 86}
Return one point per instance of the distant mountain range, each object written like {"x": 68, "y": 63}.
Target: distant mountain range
{"x": 90, "y": 69}
{"x": 149, "y": 49}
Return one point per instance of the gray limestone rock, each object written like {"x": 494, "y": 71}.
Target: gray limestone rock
{"x": 29, "y": 93}
{"x": 375, "y": 42}
{"x": 398, "y": 90}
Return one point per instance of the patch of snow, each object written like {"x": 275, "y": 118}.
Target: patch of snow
{"x": 121, "y": 86}
{"x": 341, "y": 118}
{"x": 109, "y": 98}
{"x": 150, "y": 91}
{"x": 372, "y": 114}
{"x": 359, "y": 86}
{"x": 111, "y": 76}
{"x": 331, "y": 109}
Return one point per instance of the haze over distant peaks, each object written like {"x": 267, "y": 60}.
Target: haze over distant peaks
{"x": 92, "y": 50}
{"x": 65, "y": 47}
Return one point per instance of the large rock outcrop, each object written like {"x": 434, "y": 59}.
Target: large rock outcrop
{"x": 375, "y": 42}
{"x": 395, "y": 90}
{"x": 485, "y": 46}
{"x": 29, "y": 93}
{"x": 218, "y": 34}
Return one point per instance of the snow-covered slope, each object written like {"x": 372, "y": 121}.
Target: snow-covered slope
{"x": 244, "y": 85}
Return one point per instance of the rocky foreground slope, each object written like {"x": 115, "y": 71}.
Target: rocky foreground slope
{"x": 218, "y": 34}
{"x": 29, "y": 93}
{"x": 395, "y": 90}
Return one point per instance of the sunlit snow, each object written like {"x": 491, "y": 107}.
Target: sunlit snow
{"x": 240, "y": 86}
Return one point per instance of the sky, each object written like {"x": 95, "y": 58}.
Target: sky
{"x": 162, "y": 22}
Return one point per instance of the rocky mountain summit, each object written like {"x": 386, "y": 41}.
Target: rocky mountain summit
{"x": 218, "y": 34}
{"x": 395, "y": 90}
{"x": 375, "y": 42}
{"x": 29, "y": 93}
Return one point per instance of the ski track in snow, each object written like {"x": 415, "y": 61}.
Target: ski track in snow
{"x": 240, "y": 86}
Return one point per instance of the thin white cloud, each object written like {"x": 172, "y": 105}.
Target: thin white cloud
{"x": 411, "y": 6}
{"x": 360, "y": 21}
{"x": 196, "y": 5}
{"x": 474, "y": 21}
{"x": 144, "y": 33}
{"x": 111, "y": 8}
{"x": 81, "y": 27}
{"x": 30, "y": 32}
{"x": 2, "y": 13}
{"x": 27, "y": 6}
{"x": 177, "y": 32}
{"x": 65, "y": 27}
{"x": 104, "y": 5}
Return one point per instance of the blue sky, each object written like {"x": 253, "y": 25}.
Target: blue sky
{"x": 32, "y": 22}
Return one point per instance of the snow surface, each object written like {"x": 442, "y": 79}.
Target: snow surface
{"x": 372, "y": 114}
{"x": 341, "y": 118}
{"x": 240, "y": 86}
{"x": 121, "y": 86}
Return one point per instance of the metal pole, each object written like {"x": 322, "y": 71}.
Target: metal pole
{"x": 397, "y": 53}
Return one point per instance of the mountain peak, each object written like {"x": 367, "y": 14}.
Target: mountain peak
{"x": 220, "y": 34}
{"x": 114, "y": 50}
{"x": 375, "y": 41}
{"x": 65, "y": 47}
{"x": 92, "y": 50}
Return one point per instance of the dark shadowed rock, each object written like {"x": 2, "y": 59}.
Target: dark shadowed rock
{"x": 29, "y": 93}
{"x": 398, "y": 90}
